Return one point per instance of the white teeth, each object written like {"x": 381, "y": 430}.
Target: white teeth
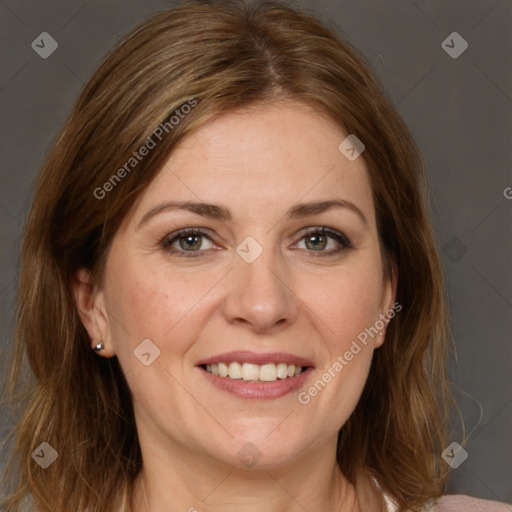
{"x": 268, "y": 372}
{"x": 235, "y": 371}
{"x": 252, "y": 372}
{"x": 282, "y": 371}
{"x": 223, "y": 370}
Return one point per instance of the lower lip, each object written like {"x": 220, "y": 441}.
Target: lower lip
{"x": 263, "y": 390}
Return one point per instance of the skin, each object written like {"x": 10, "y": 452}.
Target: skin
{"x": 257, "y": 163}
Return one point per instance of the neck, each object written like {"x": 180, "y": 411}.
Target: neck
{"x": 194, "y": 483}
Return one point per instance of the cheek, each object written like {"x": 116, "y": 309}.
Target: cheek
{"x": 347, "y": 304}
{"x": 343, "y": 313}
{"x": 148, "y": 303}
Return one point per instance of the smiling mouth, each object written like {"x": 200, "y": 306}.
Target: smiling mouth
{"x": 254, "y": 373}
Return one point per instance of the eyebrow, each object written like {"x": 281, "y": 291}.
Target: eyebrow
{"x": 223, "y": 214}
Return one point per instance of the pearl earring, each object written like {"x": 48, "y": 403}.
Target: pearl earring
{"x": 99, "y": 346}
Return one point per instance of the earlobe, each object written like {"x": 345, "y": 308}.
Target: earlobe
{"x": 90, "y": 304}
{"x": 380, "y": 340}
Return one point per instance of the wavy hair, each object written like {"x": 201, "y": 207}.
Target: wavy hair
{"x": 226, "y": 55}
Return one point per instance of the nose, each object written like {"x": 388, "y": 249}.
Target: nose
{"x": 261, "y": 294}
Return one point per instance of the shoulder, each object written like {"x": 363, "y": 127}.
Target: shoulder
{"x": 462, "y": 503}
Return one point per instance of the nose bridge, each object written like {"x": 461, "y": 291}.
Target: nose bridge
{"x": 260, "y": 293}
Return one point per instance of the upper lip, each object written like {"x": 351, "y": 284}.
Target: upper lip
{"x": 241, "y": 356}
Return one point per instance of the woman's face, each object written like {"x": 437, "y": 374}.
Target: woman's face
{"x": 259, "y": 290}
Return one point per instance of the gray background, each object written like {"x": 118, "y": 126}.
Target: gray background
{"x": 459, "y": 111}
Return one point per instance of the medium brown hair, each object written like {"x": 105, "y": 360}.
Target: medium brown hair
{"x": 225, "y": 55}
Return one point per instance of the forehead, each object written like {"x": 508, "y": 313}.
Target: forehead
{"x": 261, "y": 158}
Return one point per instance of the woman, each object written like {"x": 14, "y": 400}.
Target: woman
{"x": 230, "y": 296}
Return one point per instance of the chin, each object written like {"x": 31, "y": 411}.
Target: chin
{"x": 265, "y": 449}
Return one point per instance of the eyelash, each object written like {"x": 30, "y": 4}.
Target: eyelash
{"x": 167, "y": 242}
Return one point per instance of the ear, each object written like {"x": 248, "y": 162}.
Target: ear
{"x": 388, "y": 300}
{"x": 90, "y": 303}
